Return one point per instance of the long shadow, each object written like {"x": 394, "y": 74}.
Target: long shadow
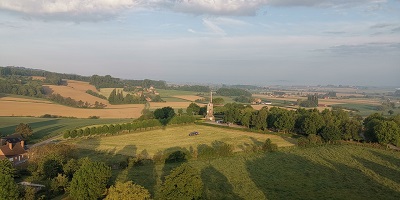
{"x": 393, "y": 160}
{"x": 44, "y": 132}
{"x": 357, "y": 183}
{"x": 287, "y": 176}
{"x": 11, "y": 129}
{"x": 216, "y": 185}
{"x": 174, "y": 157}
{"x": 256, "y": 142}
{"x": 382, "y": 170}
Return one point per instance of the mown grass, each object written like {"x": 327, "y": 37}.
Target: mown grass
{"x": 174, "y": 136}
{"x": 48, "y": 127}
{"x": 326, "y": 172}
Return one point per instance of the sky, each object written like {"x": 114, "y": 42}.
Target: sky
{"x": 258, "y": 42}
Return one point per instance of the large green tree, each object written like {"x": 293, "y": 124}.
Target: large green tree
{"x": 387, "y": 132}
{"x": 90, "y": 181}
{"x": 7, "y": 168}
{"x": 8, "y": 188}
{"x": 127, "y": 191}
{"x": 24, "y": 129}
{"x": 184, "y": 182}
{"x": 193, "y": 108}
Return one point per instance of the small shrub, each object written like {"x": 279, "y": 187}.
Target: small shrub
{"x": 268, "y": 146}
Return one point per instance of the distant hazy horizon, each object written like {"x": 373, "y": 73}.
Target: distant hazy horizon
{"x": 255, "y": 42}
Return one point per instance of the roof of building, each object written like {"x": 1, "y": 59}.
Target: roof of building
{"x": 13, "y": 138}
{"x": 17, "y": 149}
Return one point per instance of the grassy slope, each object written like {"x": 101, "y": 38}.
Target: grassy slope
{"x": 48, "y": 127}
{"x": 328, "y": 172}
{"x": 175, "y": 136}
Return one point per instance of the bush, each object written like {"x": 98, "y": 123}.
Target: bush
{"x": 268, "y": 146}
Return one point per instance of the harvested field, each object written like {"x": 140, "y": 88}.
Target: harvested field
{"x": 41, "y": 78}
{"x": 76, "y": 94}
{"x": 81, "y": 86}
{"x": 155, "y": 105}
{"x": 188, "y": 97}
{"x": 29, "y": 107}
{"x": 107, "y": 91}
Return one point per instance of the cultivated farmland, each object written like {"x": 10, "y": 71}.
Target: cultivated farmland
{"x": 48, "y": 127}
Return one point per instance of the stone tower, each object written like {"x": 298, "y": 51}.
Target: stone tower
{"x": 210, "y": 110}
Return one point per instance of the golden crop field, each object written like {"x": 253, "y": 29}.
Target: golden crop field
{"x": 30, "y": 107}
{"x": 75, "y": 93}
{"x": 81, "y": 86}
{"x": 176, "y": 136}
{"x": 107, "y": 91}
{"x": 38, "y": 78}
{"x": 155, "y": 105}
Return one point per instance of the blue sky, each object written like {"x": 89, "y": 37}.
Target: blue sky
{"x": 262, "y": 42}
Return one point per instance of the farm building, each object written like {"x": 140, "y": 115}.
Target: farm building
{"x": 13, "y": 148}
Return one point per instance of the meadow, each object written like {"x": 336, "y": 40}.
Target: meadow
{"x": 326, "y": 172}
{"x": 170, "y": 137}
{"x": 48, "y": 127}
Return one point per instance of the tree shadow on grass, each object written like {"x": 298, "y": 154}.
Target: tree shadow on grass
{"x": 35, "y": 125}
{"x": 382, "y": 170}
{"x": 142, "y": 171}
{"x": 174, "y": 157}
{"x": 37, "y": 135}
{"x": 390, "y": 159}
{"x": 282, "y": 175}
{"x": 216, "y": 185}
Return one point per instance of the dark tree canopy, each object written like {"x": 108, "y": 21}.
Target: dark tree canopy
{"x": 184, "y": 182}
{"x": 8, "y": 187}
{"x": 90, "y": 181}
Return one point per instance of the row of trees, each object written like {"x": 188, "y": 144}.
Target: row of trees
{"x": 195, "y": 88}
{"x": 330, "y": 125}
{"x": 51, "y": 76}
{"x": 93, "y": 93}
{"x": 233, "y": 92}
{"x": 117, "y": 97}
{"x": 68, "y": 101}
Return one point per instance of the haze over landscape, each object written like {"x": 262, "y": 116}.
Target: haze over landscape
{"x": 262, "y": 42}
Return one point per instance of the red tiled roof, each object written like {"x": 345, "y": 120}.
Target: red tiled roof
{"x": 16, "y": 150}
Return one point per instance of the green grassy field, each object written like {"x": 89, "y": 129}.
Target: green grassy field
{"x": 366, "y": 110}
{"x": 326, "y": 172}
{"x": 48, "y": 127}
{"x": 171, "y": 137}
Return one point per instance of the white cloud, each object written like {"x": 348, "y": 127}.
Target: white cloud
{"x": 323, "y": 3}
{"x": 68, "y": 9}
{"x": 104, "y": 9}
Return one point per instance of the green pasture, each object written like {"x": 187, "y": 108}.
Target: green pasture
{"x": 365, "y": 109}
{"x": 326, "y": 172}
{"x": 173, "y": 136}
{"x": 48, "y": 127}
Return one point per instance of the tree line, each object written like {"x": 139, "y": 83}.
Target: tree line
{"x": 93, "y": 93}
{"x": 233, "y": 92}
{"x": 68, "y": 101}
{"x": 21, "y": 87}
{"x": 138, "y": 125}
{"x": 330, "y": 125}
